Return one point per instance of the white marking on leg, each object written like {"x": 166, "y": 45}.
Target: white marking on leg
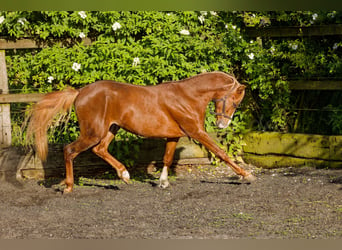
{"x": 164, "y": 182}
{"x": 125, "y": 174}
{"x": 164, "y": 173}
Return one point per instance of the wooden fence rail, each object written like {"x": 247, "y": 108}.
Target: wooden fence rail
{"x": 315, "y": 85}
{"x": 33, "y": 44}
{"x": 20, "y": 98}
{"x": 296, "y": 31}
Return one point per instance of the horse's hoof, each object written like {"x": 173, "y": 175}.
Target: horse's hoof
{"x": 164, "y": 184}
{"x": 125, "y": 177}
{"x": 67, "y": 190}
{"x": 249, "y": 178}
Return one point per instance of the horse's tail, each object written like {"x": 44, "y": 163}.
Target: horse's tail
{"x": 42, "y": 114}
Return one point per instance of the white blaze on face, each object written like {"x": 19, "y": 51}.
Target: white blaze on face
{"x": 230, "y": 119}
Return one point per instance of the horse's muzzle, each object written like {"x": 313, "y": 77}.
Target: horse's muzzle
{"x": 223, "y": 123}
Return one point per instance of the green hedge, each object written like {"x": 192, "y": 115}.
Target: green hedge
{"x": 149, "y": 47}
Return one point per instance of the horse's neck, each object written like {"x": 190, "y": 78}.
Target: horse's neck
{"x": 210, "y": 89}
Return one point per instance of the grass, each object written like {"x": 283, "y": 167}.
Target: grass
{"x": 243, "y": 216}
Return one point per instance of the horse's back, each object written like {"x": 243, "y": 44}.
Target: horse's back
{"x": 139, "y": 109}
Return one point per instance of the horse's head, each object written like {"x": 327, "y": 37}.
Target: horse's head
{"x": 226, "y": 105}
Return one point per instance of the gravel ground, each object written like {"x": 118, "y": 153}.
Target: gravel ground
{"x": 292, "y": 203}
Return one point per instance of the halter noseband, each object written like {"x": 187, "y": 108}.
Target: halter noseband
{"x": 224, "y": 107}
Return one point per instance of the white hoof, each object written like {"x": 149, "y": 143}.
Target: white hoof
{"x": 250, "y": 178}
{"x": 164, "y": 184}
{"x": 163, "y": 180}
{"x": 125, "y": 177}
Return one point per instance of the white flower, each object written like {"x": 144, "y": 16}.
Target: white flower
{"x": 50, "y": 79}
{"x": 294, "y": 46}
{"x": 213, "y": 13}
{"x": 82, "y": 14}
{"x": 82, "y": 35}
{"x": 184, "y": 32}
{"x": 201, "y": 19}
{"x": 314, "y": 16}
{"x": 335, "y": 46}
{"x": 204, "y": 13}
{"x": 2, "y": 19}
{"x": 272, "y": 50}
{"x": 136, "y": 61}
{"x": 76, "y": 66}
{"x": 116, "y": 26}
{"x": 234, "y": 27}
{"x": 22, "y": 21}
{"x": 251, "y": 56}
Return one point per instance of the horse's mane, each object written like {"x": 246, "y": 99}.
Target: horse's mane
{"x": 199, "y": 75}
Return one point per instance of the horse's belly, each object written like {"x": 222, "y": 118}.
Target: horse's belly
{"x": 151, "y": 126}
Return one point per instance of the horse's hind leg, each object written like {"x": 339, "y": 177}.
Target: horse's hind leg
{"x": 102, "y": 151}
{"x": 167, "y": 160}
{"x": 70, "y": 153}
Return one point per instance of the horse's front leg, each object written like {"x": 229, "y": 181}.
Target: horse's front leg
{"x": 210, "y": 144}
{"x": 167, "y": 160}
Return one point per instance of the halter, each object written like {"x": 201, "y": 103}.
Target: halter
{"x": 224, "y": 107}
{"x": 216, "y": 100}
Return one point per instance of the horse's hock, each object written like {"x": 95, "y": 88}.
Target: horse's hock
{"x": 265, "y": 150}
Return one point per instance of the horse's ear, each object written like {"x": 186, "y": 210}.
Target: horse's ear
{"x": 241, "y": 88}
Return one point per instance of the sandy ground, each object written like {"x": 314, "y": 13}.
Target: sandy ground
{"x": 290, "y": 203}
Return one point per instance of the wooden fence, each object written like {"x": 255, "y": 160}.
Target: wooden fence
{"x": 18, "y": 162}
{"x": 294, "y": 31}
{"x": 6, "y": 98}
{"x": 262, "y": 149}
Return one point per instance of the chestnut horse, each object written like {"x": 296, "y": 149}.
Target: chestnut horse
{"x": 169, "y": 110}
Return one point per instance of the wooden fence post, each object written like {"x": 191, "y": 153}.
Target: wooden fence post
{"x": 5, "y": 118}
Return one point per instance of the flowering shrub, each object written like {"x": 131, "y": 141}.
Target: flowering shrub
{"x": 147, "y": 48}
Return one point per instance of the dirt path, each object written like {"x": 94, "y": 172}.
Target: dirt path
{"x": 283, "y": 203}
